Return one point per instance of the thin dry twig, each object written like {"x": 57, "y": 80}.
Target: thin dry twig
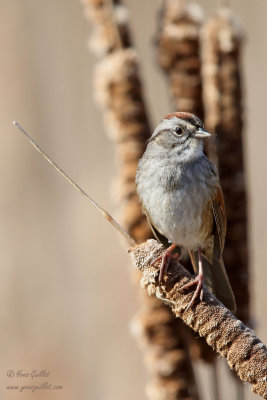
{"x": 228, "y": 336}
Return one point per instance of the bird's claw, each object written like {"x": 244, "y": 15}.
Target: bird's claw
{"x": 199, "y": 290}
{"x": 165, "y": 258}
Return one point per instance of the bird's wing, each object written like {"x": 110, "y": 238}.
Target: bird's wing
{"x": 216, "y": 272}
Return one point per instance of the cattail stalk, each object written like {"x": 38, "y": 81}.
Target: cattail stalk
{"x": 118, "y": 91}
{"x": 179, "y": 55}
{"x": 228, "y": 336}
{"x": 178, "y": 48}
{"x": 222, "y": 41}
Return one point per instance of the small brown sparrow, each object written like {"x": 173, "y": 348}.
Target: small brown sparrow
{"x": 181, "y": 195}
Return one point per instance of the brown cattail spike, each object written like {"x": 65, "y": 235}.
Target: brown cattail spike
{"x": 179, "y": 54}
{"x": 118, "y": 91}
{"x": 228, "y": 336}
{"x": 222, "y": 41}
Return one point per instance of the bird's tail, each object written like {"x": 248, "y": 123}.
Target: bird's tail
{"x": 216, "y": 279}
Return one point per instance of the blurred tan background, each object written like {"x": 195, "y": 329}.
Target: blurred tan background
{"x": 66, "y": 296}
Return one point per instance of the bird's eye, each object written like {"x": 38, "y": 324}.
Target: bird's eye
{"x": 178, "y": 131}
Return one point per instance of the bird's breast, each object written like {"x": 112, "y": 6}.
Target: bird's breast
{"x": 177, "y": 200}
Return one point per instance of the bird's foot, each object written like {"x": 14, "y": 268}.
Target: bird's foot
{"x": 199, "y": 290}
{"x": 165, "y": 258}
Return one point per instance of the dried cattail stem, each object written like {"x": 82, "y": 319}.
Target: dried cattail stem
{"x": 118, "y": 91}
{"x": 228, "y": 336}
{"x": 166, "y": 356}
{"x": 222, "y": 40}
{"x": 116, "y": 80}
{"x": 179, "y": 54}
{"x": 110, "y": 23}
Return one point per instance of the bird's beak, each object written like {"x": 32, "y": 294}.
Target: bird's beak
{"x": 201, "y": 134}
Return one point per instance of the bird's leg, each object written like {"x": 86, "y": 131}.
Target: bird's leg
{"x": 165, "y": 258}
{"x": 197, "y": 281}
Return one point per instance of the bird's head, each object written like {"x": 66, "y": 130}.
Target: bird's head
{"x": 182, "y": 133}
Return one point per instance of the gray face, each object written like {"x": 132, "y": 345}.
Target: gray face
{"x": 179, "y": 136}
